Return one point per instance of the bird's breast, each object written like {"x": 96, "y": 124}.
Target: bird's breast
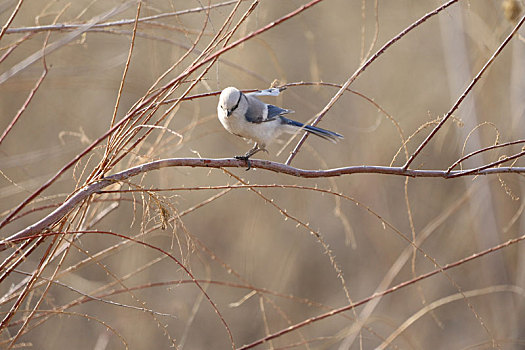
{"x": 229, "y": 122}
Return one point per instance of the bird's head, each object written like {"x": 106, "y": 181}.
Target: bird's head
{"x": 229, "y": 100}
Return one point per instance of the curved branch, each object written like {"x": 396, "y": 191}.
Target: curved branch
{"x": 97, "y": 186}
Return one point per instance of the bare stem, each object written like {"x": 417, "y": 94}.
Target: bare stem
{"x": 97, "y": 186}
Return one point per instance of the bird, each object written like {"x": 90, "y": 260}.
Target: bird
{"x": 244, "y": 115}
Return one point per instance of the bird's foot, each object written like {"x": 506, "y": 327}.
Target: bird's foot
{"x": 246, "y": 158}
{"x": 256, "y": 148}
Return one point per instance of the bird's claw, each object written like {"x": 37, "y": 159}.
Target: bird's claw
{"x": 246, "y": 159}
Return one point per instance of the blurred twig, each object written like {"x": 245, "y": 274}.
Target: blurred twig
{"x": 444, "y": 301}
{"x": 72, "y": 26}
{"x": 61, "y": 42}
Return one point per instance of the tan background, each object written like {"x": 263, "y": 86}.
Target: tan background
{"x": 251, "y": 242}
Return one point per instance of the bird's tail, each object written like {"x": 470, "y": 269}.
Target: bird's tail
{"x": 325, "y": 134}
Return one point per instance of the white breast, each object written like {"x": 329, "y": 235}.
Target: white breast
{"x": 224, "y": 119}
{"x": 263, "y": 133}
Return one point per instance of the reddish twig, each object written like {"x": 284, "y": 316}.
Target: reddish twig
{"x": 13, "y": 46}
{"x": 27, "y": 288}
{"x": 145, "y": 244}
{"x": 11, "y": 18}
{"x": 248, "y": 37}
{"x": 128, "y": 61}
{"x": 49, "y": 182}
{"x": 24, "y": 106}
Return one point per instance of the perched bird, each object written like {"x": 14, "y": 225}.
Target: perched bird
{"x": 246, "y": 116}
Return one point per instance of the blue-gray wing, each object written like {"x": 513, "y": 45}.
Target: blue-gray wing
{"x": 256, "y": 110}
{"x": 274, "y": 112}
{"x": 259, "y": 112}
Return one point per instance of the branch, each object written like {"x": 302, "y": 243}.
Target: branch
{"x": 97, "y": 186}
{"x": 11, "y": 18}
{"x": 471, "y": 154}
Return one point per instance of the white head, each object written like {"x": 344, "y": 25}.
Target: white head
{"x": 230, "y": 101}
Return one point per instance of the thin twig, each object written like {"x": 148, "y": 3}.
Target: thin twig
{"x": 24, "y": 106}
{"x": 11, "y": 18}
{"x": 60, "y": 42}
{"x": 126, "y": 67}
{"x": 488, "y": 148}
{"x": 492, "y": 165}
{"x": 130, "y": 115}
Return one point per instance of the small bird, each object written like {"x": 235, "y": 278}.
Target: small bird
{"x": 246, "y": 116}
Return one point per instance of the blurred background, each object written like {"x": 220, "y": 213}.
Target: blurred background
{"x": 270, "y": 256}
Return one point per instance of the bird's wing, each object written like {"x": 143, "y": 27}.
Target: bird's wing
{"x": 274, "y": 112}
{"x": 256, "y": 112}
{"x": 259, "y": 112}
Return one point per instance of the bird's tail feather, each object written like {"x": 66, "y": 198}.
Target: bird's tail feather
{"x": 325, "y": 134}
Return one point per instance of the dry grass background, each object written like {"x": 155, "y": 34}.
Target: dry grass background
{"x": 193, "y": 257}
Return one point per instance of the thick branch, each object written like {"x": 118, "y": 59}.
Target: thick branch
{"x": 97, "y": 186}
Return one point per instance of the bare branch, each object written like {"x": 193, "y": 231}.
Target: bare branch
{"x": 59, "y": 43}
{"x": 97, "y": 186}
{"x": 145, "y": 102}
